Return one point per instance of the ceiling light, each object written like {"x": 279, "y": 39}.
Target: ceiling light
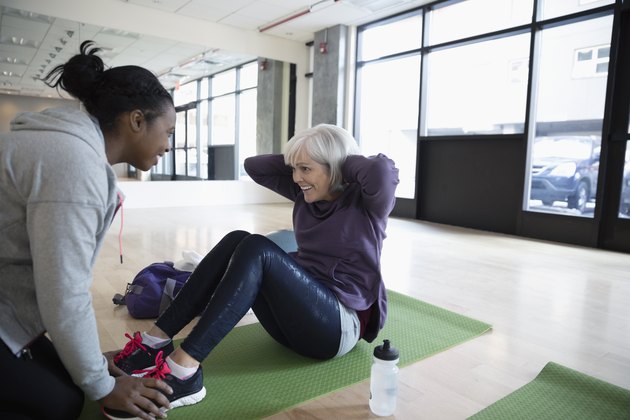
{"x": 16, "y": 40}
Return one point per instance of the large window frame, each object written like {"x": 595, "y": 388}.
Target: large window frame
{"x": 200, "y": 135}
{"x": 523, "y": 220}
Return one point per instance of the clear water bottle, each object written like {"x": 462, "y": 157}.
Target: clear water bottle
{"x": 384, "y": 380}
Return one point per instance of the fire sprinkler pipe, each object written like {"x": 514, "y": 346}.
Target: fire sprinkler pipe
{"x": 296, "y": 15}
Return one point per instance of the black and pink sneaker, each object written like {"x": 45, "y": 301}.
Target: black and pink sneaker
{"x": 137, "y": 356}
{"x": 185, "y": 391}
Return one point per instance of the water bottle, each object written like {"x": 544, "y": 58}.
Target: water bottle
{"x": 384, "y": 380}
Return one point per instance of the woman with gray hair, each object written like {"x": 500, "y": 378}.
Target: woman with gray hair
{"x": 319, "y": 300}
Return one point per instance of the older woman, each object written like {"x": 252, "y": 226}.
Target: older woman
{"x": 318, "y": 301}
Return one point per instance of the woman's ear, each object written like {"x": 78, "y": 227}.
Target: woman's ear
{"x": 136, "y": 120}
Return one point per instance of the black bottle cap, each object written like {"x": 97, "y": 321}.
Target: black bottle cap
{"x": 386, "y": 351}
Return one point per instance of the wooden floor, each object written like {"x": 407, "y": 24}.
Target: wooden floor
{"x": 545, "y": 301}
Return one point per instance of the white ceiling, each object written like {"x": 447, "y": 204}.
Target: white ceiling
{"x": 32, "y": 44}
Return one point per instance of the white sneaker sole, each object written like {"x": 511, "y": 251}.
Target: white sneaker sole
{"x": 187, "y": 400}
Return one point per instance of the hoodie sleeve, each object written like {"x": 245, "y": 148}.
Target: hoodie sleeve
{"x": 270, "y": 171}
{"x": 66, "y": 212}
{"x": 378, "y": 179}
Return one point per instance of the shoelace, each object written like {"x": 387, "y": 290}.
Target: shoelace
{"x": 159, "y": 371}
{"x": 134, "y": 343}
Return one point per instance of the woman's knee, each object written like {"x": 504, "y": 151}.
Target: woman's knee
{"x": 255, "y": 244}
{"x": 236, "y": 235}
{"x": 251, "y": 259}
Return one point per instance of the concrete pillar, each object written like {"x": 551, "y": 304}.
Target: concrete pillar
{"x": 272, "y": 106}
{"x": 329, "y": 66}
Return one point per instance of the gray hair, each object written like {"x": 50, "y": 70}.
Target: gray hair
{"x": 327, "y": 145}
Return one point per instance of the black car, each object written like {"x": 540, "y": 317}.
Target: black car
{"x": 564, "y": 168}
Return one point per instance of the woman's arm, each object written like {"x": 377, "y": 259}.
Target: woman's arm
{"x": 378, "y": 178}
{"x": 64, "y": 217}
{"x": 271, "y": 172}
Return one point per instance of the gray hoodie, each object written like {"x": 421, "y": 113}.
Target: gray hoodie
{"x": 58, "y": 197}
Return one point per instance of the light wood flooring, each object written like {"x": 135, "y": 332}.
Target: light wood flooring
{"x": 545, "y": 301}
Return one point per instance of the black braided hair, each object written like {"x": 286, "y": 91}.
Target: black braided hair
{"x": 107, "y": 93}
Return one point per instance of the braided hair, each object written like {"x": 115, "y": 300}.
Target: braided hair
{"x": 107, "y": 93}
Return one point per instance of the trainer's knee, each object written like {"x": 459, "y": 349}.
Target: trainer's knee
{"x": 61, "y": 404}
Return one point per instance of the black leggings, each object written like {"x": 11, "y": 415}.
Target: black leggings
{"x": 37, "y": 387}
{"x": 244, "y": 271}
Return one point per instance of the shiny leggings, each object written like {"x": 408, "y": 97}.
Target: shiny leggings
{"x": 247, "y": 270}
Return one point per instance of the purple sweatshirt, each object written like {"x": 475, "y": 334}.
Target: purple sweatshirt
{"x": 340, "y": 241}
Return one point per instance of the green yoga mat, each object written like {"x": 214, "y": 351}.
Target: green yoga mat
{"x": 249, "y": 375}
{"x": 561, "y": 393}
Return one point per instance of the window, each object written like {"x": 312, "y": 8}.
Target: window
{"x": 216, "y": 111}
{"x": 385, "y": 128}
{"x": 204, "y": 88}
{"x": 248, "y": 76}
{"x": 203, "y": 137}
{"x": 246, "y": 129}
{"x": 568, "y": 116}
{"x": 387, "y": 94}
{"x": 224, "y": 82}
{"x": 185, "y": 93}
{"x": 554, "y": 8}
{"x": 473, "y": 17}
{"x": 390, "y": 37}
{"x": 471, "y": 78}
{"x": 186, "y": 135}
{"x": 223, "y": 121}
{"x": 591, "y": 61}
{"x": 478, "y": 88}
{"x": 191, "y": 144}
{"x": 180, "y": 143}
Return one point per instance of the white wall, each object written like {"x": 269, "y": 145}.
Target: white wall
{"x": 118, "y": 14}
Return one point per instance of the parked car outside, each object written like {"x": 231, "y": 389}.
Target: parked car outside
{"x": 565, "y": 168}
